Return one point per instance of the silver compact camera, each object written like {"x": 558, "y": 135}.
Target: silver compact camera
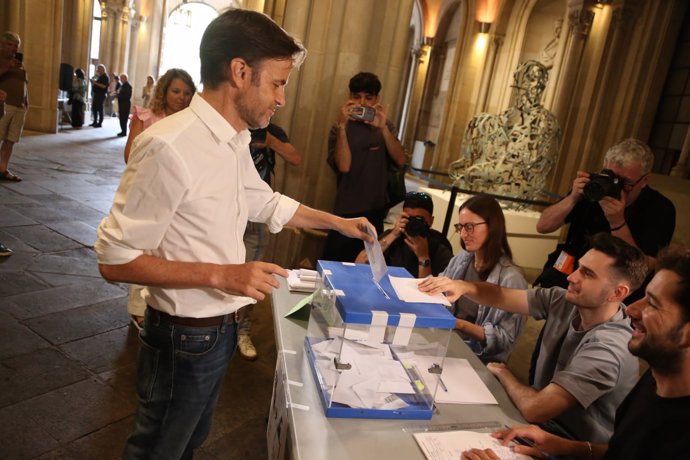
{"x": 363, "y": 113}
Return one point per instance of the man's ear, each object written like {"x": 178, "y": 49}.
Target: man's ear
{"x": 685, "y": 336}
{"x": 239, "y": 72}
{"x": 620, "y": 292}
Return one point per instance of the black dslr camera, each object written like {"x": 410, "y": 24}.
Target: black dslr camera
{"x": 605, "y": 183}
{"x": 416, "y": 226}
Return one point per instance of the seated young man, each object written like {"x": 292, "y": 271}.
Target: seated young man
{"x": 412, "y": 243}
{"x": 584, "y": 368}
{"x": 650, "y": 423}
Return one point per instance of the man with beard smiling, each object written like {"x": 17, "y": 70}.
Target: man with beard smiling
{"x": 652, "y": 420}
{"x": 177, "y": 222}
{"x": 584, "y": 369}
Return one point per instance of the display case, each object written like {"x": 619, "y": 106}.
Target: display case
{"x": 372, "y": 354}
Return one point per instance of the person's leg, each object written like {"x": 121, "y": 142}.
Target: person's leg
{"x": 180, "y": 374}
{"x": 77, "y": 114}
{"x": 5, "y": 154}
{"x": 14, "y": 116}
{"x": 123, "y": 123}
{"x": 98, "y": 101}
{"x": 255, "y": 243}
{"x": 99, "y": 113}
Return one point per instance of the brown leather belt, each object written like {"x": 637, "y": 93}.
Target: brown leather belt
{"x": 195, "y": 322}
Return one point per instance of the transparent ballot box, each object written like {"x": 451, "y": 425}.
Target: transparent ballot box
{"x": 372, "y": 354}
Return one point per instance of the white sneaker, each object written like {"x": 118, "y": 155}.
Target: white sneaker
{"x": 246, "y": 347}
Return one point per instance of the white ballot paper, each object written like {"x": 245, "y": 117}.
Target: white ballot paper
{"x": 462, "y": 382}
{"x": 406, "y": 289}
{"x": 375, "y": 256}
{"x": 449, "y": 445}
{"x": 300, "y": 284}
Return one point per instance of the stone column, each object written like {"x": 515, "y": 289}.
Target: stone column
{"x": 76, "y": 33}
{"x": 681, "y": 168}
{"x": 579, "y": 24}
{"x": 488, "y": 74}
{"x": 39, "y": 24}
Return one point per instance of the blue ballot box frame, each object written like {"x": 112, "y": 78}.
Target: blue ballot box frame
{"x": 354, "y": 297}
{"x": 361, "y": 296}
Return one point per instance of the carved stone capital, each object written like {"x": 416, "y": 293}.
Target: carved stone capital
{"x": 580, "y": 22}
{"x": 625, "y": 15}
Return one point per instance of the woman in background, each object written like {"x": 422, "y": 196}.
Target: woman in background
{"x": 99, "y": 89}
{"x": 78, "y": 98}
{"x": 490, "y": 332}
{"x": 147, "y": 92}
{"x": 172, "y": 93}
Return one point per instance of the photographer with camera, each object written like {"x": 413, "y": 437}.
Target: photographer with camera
{"x": 412, "y": 243}
{"x": 360, "y": 147}
{"x": 617, "y": 200}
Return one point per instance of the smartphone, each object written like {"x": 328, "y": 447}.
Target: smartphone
{"x": 363, "y": 113}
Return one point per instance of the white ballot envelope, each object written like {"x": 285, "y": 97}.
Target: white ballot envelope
{"x": 375, "y": 255}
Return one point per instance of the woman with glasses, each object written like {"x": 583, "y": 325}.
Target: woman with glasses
{"x": 490, "y": 332}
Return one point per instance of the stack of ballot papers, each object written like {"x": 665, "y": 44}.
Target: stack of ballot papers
{"x": 302, "y": 280}
{"x": 374, "y": 379}
{"x": 449, "y": 445}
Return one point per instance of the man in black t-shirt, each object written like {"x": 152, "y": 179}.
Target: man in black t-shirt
{"x": 362, "y": 146}
{"x": 412, "y": 243}
{"x": 640, "y": 216}
{"x": 265, "y": 143}
{"x": 651, "y": 421}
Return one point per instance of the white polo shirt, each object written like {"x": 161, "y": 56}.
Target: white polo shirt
{"x": 186, "y": 195}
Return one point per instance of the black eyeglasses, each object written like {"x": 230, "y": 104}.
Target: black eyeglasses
{"x": 628, "y": 185}
{"x": 469, "y": 227}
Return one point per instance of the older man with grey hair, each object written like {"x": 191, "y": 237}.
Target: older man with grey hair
{"x": 628, "y": 209}
{"x": 13, "y": 83}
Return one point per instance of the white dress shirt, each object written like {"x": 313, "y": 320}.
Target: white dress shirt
{"x": 186, "y": 195}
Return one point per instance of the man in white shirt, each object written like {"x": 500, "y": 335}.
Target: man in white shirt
{"x": 177, "y": 222}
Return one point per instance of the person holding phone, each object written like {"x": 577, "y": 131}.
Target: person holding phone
{"x": 13, "y": 82}
{"x": 360, "y": 145}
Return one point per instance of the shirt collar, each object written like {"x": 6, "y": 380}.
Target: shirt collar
{"x": 221, "y": 130}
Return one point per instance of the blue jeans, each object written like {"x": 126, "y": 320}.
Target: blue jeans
{"x": 180, "y": 372}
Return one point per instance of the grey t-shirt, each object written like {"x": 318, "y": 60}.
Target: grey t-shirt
{"x": 594, "y": 366}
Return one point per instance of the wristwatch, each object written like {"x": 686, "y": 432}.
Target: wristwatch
{"x": 424, "y": 262}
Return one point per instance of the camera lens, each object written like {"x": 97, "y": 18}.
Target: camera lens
{"x": 606, "y": 183}
{"x": 416, "y": 226}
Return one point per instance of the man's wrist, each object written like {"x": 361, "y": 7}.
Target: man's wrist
{"x": 617, "y": 227}
{"x": 424, "y": 262}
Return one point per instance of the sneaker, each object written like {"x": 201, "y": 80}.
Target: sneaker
{"x": 246, "y": 347}
{"x": 5, "y": 251}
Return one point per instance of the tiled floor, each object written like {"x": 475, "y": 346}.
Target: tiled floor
{"x": 67, "y": 351}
